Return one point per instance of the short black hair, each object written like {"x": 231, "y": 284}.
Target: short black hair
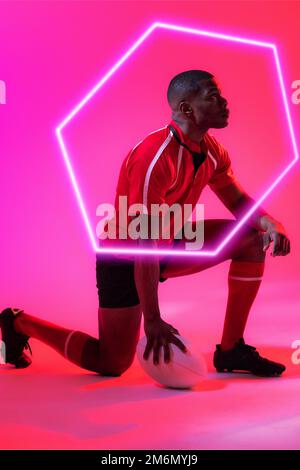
{"x": 186, "y": 84}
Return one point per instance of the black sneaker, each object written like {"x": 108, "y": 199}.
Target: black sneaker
{"x": 243, "y": 357}
{"x": 14, "y": 342}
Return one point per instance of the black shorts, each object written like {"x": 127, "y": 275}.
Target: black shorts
{"x": 115, "y": 281}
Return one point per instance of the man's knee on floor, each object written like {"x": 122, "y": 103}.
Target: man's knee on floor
{"x": 116, "y": 361}
{"x": 97, "y": 358}
{"x": 115, "y": 369}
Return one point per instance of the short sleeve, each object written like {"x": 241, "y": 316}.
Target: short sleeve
{"x": 223, "y": 174}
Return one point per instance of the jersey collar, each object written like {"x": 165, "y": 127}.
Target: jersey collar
{"x": 190, "y": 143}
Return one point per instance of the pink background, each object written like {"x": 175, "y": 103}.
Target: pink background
{"x": 51, "y": 55}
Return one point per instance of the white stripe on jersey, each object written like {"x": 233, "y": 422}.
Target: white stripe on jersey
{"x": 151, "y": 166}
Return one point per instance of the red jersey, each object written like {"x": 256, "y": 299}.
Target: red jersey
{"x": 159, "y": 170}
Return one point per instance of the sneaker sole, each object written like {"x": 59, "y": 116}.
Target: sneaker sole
{"x": 230, "y": 371}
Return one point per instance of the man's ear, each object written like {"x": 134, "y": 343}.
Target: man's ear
{"x": 185, "y": 108}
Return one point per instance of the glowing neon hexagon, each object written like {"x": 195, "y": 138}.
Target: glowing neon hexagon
{"x": 112, "y": 71}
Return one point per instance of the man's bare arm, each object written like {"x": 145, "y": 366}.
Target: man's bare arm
{"x": 159, "y": 333}
{"x": 238, "y": 202}
{"x": 146, "y": 275}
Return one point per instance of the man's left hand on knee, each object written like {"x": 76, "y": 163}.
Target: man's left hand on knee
{"x": 276, "y": 233}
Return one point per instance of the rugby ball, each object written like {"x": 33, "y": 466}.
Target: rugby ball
{"x": 185, "y": 370}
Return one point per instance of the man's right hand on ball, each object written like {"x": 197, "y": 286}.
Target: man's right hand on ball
{"x": 160, "y": 334}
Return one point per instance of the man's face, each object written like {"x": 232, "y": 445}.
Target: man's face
{"x": 209, "y": 108}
